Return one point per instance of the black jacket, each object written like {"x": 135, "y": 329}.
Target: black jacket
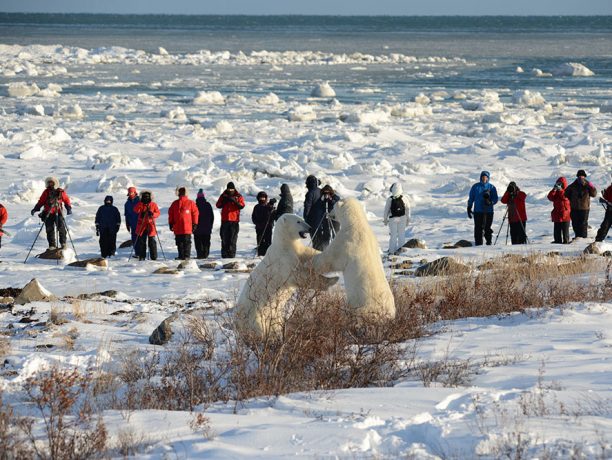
{"x": 317, "y": 213}
{"x": 108, "y": 216}
{"x": 262, "y": 216}
{"x": 312, "y": 196}
{"x": 285, "y": 204}
{"x": 207, "y": 217}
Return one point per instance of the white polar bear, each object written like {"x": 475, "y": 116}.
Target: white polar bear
{"x": 355, "y": 252}
{"x": 286, "y": 266}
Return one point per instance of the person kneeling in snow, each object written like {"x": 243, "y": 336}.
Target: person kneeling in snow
{"x": 108, "y": 223}
{"x": 397, "y": 216}
{"x": 183, "y": 220}
{"x": 202, "y": 233}
{"x": 514, "y": 198}
{"x": 3, "y": 219}
{"x": 52, "y": 200}
{"x": 263, "y": 218}
{"x": 148, "y": 212}
{"x": 606, "y": 200}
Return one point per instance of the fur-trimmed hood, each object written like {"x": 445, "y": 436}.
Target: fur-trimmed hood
{"x": 176, "y": 190}
{"x": 54, "y": 180}
{"x": 146, "y": 191}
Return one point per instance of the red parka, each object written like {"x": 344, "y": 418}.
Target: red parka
{"x": 182, "y": 215}
{"x": 516, "y": 206}
{"x": 147, "y": 213}
{"x": 607, "y": 194}
{"x": 230, "y": 206}
{"x": 52, "y": 200}
{"x": 561, "y": 204}
{"x": 3, "y": 217}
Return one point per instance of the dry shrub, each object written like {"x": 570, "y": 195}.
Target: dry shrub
{"x": 130, "y": 443}
{"x": 56, "y": 317}
{"x": 13, "y": 444}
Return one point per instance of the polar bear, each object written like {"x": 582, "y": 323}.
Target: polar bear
{"x": 355, "y": 252}
{"x": 286, "y": 267}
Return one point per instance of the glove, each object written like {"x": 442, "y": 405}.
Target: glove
{"x": 150, "y": 213}
{"x": 97, "y": 231}
{"x": 169, "y": 225}
{"x": 590, "y": 184}
{"x": 33, "y": 211}
{"x": 68, "y": 210}
{"x": 469, "y": 212}
{"x": 194, "y": 227}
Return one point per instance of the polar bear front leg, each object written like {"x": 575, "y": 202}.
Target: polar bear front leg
{"x": 328, "y": 261}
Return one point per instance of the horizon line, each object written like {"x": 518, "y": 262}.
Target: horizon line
{"x": 317, "y": 14}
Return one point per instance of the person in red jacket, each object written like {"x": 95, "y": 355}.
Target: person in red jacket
{"x": 514, "y": 198}
{"x": 3, "y": 219}
{"x": 148, "y": 212}
{"x": 230, "y": 202}
{"x": 183, "y": 220}
{"x": 560, "y": 214}
{"x": 606, "y": 200}
{"x": 52, "y": 200}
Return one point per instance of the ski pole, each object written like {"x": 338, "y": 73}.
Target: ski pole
{"x": 35, "y": 239}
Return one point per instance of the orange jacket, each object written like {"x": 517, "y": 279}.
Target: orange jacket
{"x": 182, "y": 215}
{"x": 3, "y": 217}
{"x": 230, "y": 206}
{"x": 52, "y": 200}
{"x": 147, "y": 213}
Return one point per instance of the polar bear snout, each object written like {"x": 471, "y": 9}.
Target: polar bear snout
{"x": 304, "y": 229}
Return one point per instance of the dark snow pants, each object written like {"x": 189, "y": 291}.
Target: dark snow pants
{"x": 264, "y": 240}
{"x": 561, "y": 232}
{"x": 183, "y": 244}
{"x": 518, "y": 232}
{"x": 142, "y": 247}
{"x": 108, "y": 242}
{"x": 605, "y": 225}
{"x": 482, "y": 225}
{"x": 50, "y": 223}
{"x": 580, "y": 222}
{"x": 202, "y": 245}
{"x": 229, "y": 238}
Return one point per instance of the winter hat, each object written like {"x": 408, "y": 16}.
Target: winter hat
{"x": 230, "y": 186}
{"x": 581, "y": 173}
{"x": 285, "y": 190}
{"x": 261, "y": 195}
{"x": 131, "y": 191}
{"x": 180, "y": 190}
{"x": 146, "y": 193}
{"x": 201, "y": 193}
{"x": 108, "y": 199}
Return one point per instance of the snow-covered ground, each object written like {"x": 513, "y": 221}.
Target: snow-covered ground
{"x": 101, "y": 120}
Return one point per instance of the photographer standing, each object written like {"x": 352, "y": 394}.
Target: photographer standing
{"x": 230, "y": 202}
{"x": 560, "y": 214}
{"x": 606, "y": 200}
{"x": 52, "y": 200}
{"x": 483, "y": 195}
{"x": 580, "y": 193}
{"x": 312, "y": 196}
{"x": 285, "y": 204}
{"x": 108, "y": 223}
{"x": 201, "y": 235}
{"x": 148, "y": 212}
{"x": 514, "y": 198}
{"x": 322, "y": 227}
{"x": 397, "y": 216}
{"x": 263, "y": 219}
{"x": 183, "y": 216}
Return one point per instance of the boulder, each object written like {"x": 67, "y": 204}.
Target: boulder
{"x": 415, "y": 243}
{"x": 458, "y": 244}
{"x": 34, "y": 292}
{"x": 592, "y": 248}
{"x": 208, "y": 265}
{"x": 6, "y": 300}
{"x": 126, "y": 244}
{"x": 607, "y": 253}
{"x": 163, "y": 333}
{"x": 188, "y": 264}
{"x": 403, "y": 265}
{"x": 441, "y": 267}
{"x": 166, "y": 271}
{"x": 96, "y": 262}
{"x": 231, "y": 266}
{"x": 53, "y": 254}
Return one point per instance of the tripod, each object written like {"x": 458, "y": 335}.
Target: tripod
{"x": 327, "y": 219}
{"x": 508, "y": 226}
{"x": 58, "y": 217}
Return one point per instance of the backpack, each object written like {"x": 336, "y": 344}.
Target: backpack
{"x": 398, "y": 208}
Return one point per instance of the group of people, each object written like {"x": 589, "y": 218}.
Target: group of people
{"x": 186, "y": 218}
{"x": 571, "y": 203}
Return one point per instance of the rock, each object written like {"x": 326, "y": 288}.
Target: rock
{"x": 231, "y": 266}
{"x": 166, "y": 271}
{"x": 110, "y": 293}
{"x": 441, "y": 267}
{"x": 208, "y": 266}
{"x": 607, "y": 254}
{"x": 592, "y": 248}
{"x": 163, "y": 333}
{"x": 9, "y": 292}
{"x": 403, "y": 265}
{"x": 126, "y": 244}
{"x": 33, "y": 292}
{"x": 188, "y": 264}
{"x": 458, "y": 244}
{"x": 415, "y": 243}
{"x": 96, "y": 262}
{"x": 6, "y": 300}
{"x": 54, "y": 254}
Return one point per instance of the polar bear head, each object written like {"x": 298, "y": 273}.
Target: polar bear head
{"x": 290, "y": 227}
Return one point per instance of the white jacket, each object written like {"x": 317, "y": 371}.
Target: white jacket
{"x": 396, "y": 191}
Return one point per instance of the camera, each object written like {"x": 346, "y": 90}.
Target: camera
{"x": 558, "y": 186}
{"x": 487, "y": 198}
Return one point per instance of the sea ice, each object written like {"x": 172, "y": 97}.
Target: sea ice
{"x": 572, "y": 69}
{"x": 22, "y": 89}
{"x": 323, "y": 90}
{"x": 209, "y": 97}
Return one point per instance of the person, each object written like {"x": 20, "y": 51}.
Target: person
{"x": 3, "y": 219}
{"x": 203, "y": 230}
{"x": 397, "y": 216}
{"x": 606, "y": 200}
{"x": 131, "y": 217}
{"x": 560, "y": 214}
{"x": 146, "y": 230}
{"x": 183, "y": 218}
{"x": 483, "y": 195}
{"x": 230, "y": 202}
{"x": 262, "y": 217}
{"x": 321, "y": 230}
{"x": 52, "y": 200}
{"x": 313, "y": 195}
{"x": 108, "y": 223}
{"x": 285, "y": 204}
{"x": 580, "y": 193}
{"x": 515, "y": 198}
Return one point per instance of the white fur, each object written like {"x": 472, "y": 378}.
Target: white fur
{"x": 356, "y": 254}
{"x": 261, "y": 306}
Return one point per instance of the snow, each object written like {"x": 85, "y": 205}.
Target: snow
{"x": 260, "y": 133}
{"x": 323, "y": 90}
{"x": 572, "y": 69}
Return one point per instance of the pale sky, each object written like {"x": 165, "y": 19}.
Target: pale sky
{"x": 332, "y": 7}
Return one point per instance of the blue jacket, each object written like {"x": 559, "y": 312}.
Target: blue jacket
{"x": 108, "y": 216}
{"x": 131, "y": 217}
{"x": 477, "y": 193}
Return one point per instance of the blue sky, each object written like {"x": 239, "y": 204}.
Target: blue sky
{"x": 343, "y": 7}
